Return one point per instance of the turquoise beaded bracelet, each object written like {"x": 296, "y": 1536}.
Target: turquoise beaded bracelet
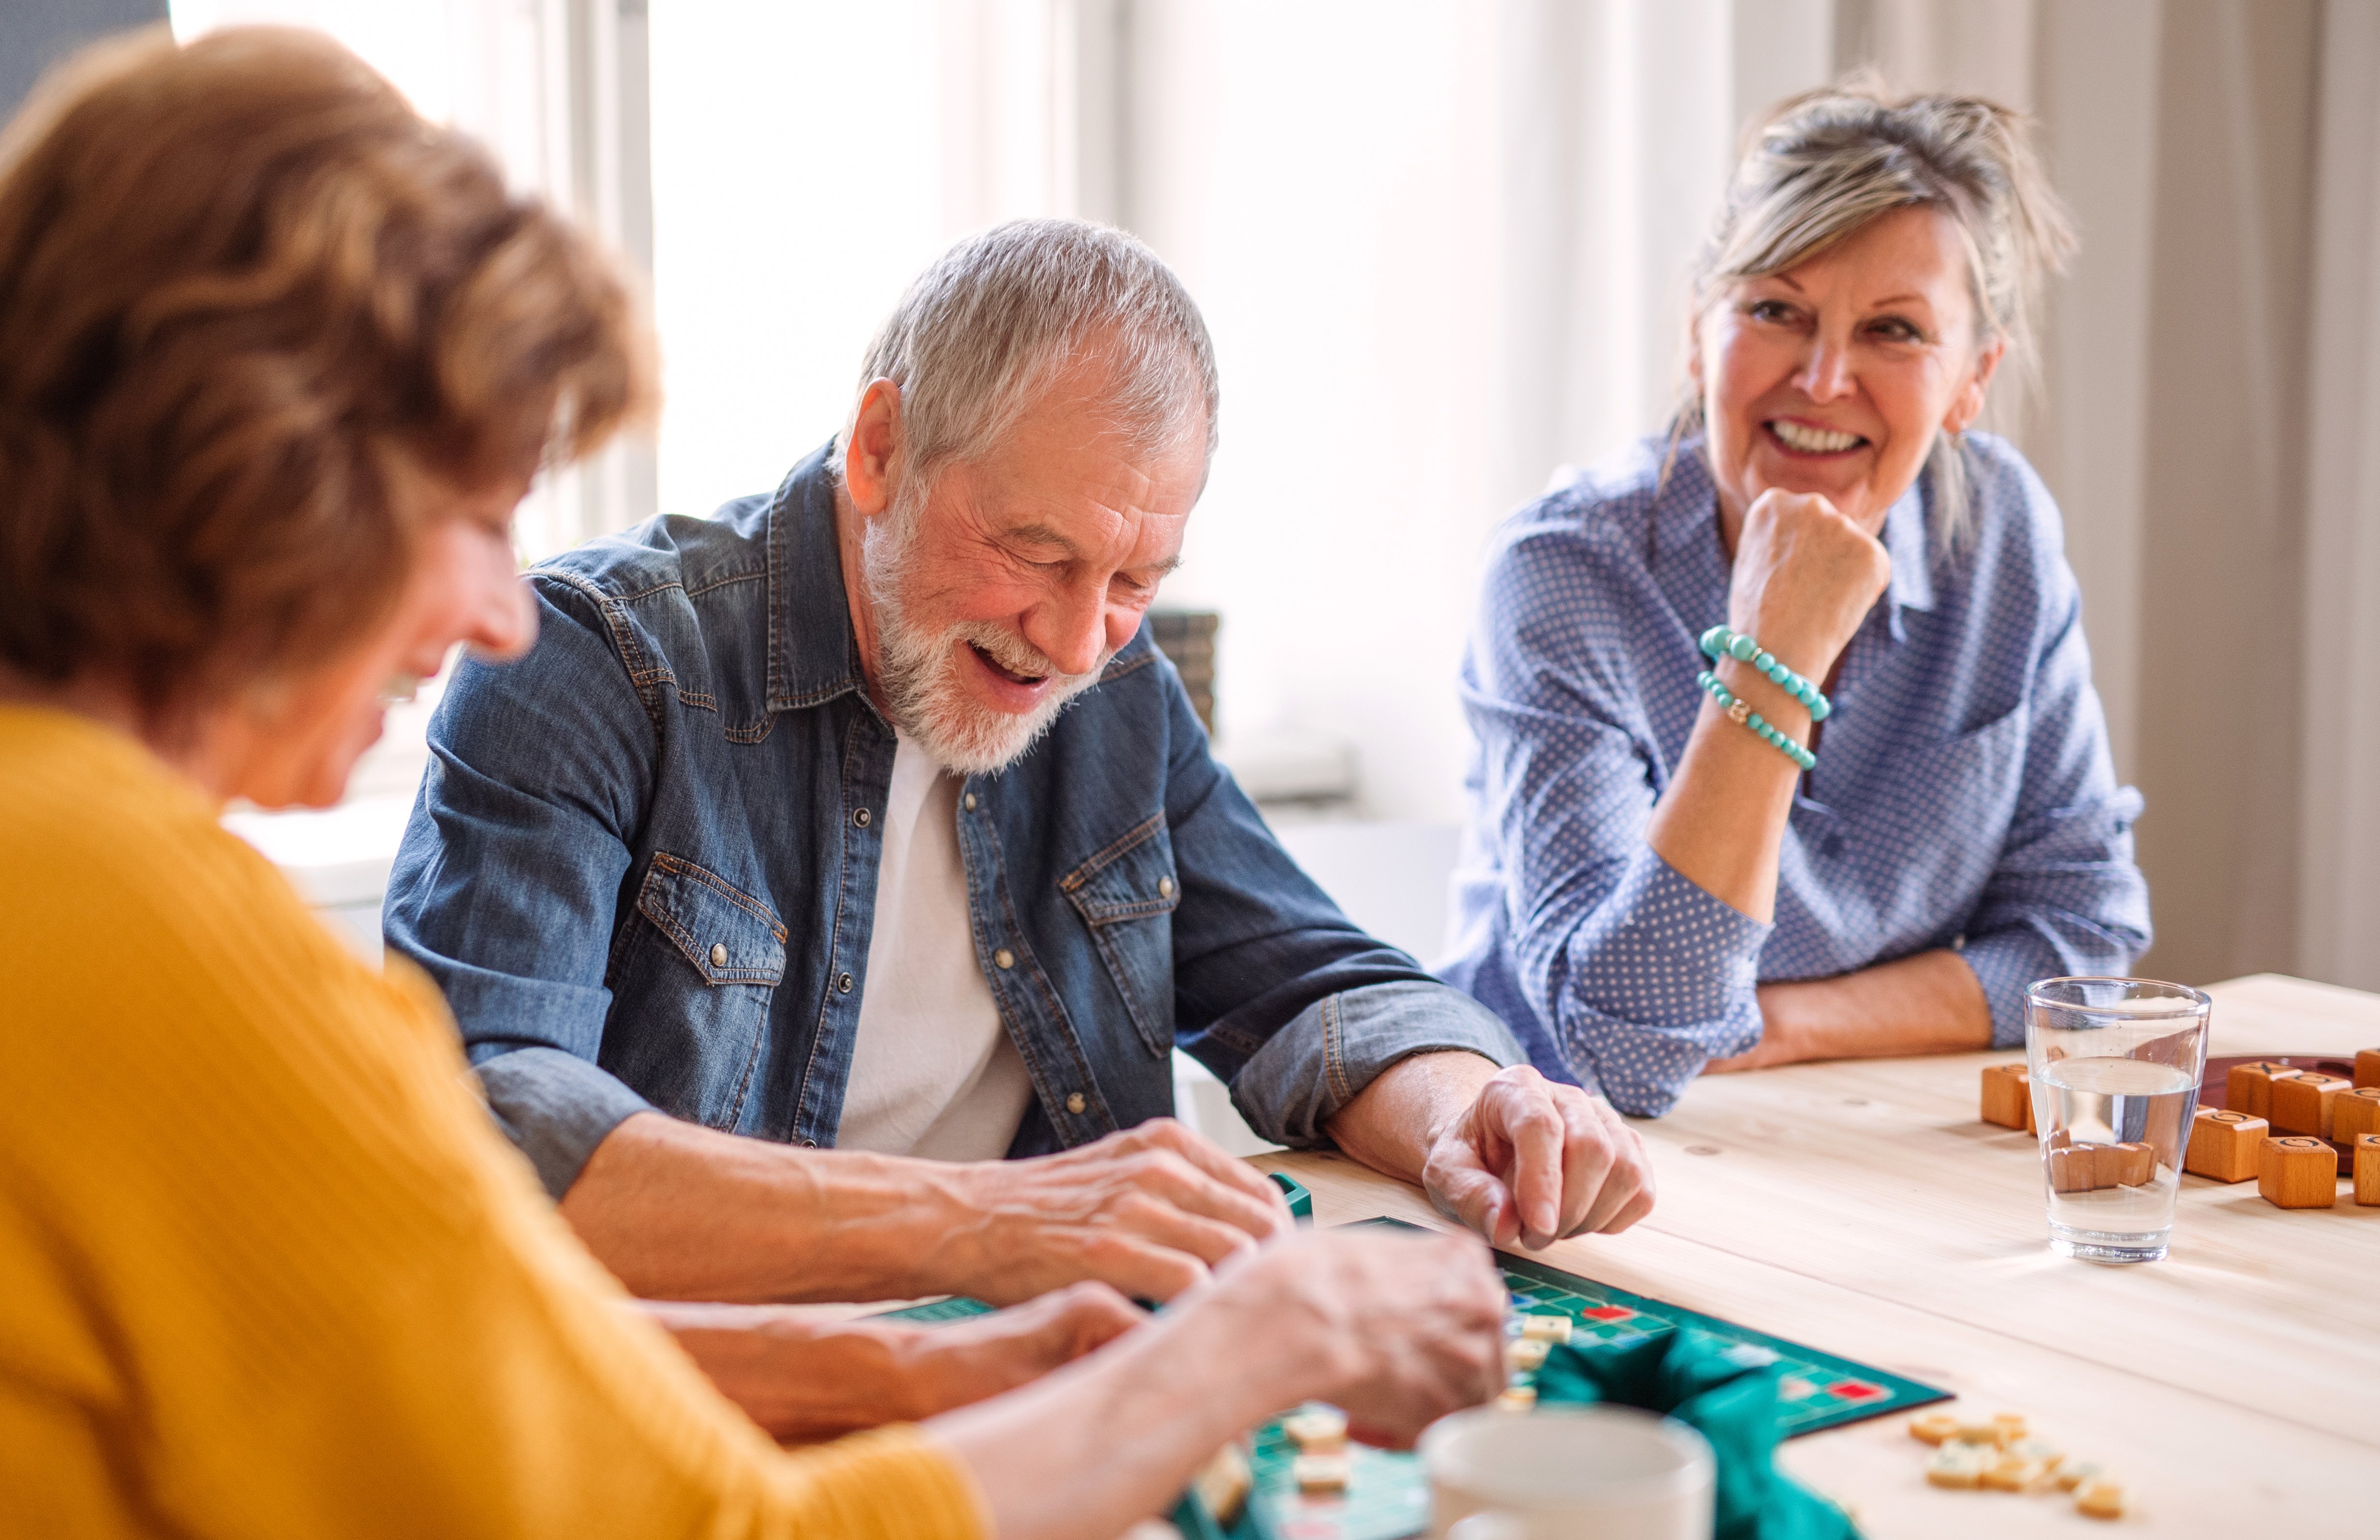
{"x": 1740, "y": 711}
{"x": 1718, "y": 641}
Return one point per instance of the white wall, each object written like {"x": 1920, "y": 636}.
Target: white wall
{"x": 794, "y": 196}
{"x": 809, "y": 160}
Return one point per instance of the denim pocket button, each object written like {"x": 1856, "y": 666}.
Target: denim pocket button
{"x": 1075, "y": 1103}
{"x": 719, "y": 954}
{"x": 1004, "y": 958}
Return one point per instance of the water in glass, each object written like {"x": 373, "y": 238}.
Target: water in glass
{"x": 2115, "y": 1067}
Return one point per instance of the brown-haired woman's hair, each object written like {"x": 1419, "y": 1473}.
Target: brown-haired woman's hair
{"x": 251, "y": 305}
{"x": 1826, "y": 164}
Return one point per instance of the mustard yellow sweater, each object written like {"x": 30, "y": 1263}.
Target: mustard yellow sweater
{"x": 266, "y": 1267}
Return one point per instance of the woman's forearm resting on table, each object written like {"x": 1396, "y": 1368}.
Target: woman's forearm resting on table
{"x": 803, "y": 1379}
{"x": 1930, "y": 1002}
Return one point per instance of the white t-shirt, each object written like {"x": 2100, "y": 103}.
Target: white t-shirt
{"x": 933, "y": 1073}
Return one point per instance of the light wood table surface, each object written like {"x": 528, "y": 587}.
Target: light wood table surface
{"x": 1862, "y": 1208}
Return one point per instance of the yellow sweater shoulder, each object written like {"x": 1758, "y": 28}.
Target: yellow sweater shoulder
{"x": 270, "y": 1267}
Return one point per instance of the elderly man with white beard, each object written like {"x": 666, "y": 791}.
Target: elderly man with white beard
{"x": 826, "y": 852}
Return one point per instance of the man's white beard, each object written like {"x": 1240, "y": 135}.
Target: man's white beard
{"x": 920, "y": 669}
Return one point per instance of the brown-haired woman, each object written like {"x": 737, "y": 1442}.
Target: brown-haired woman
{"x": 277, "y": 358}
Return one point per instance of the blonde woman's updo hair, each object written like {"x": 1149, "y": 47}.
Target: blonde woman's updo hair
{"x": 1828, "y": 162}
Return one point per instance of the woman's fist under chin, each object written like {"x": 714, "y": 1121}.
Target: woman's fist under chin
{"x": 1804, "y": 578}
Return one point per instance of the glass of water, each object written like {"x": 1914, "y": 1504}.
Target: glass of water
{"x": 2115, "y": 1066}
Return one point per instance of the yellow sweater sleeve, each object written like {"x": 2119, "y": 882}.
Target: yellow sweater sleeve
{"x": 269, "y": 1269}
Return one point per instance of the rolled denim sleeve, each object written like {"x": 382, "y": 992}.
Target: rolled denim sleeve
{"x": 505, "y": 886}
{"x": 2065, "y": 896}
{"x": 1316, "y": 1063}
{"x": 1275, "y": 990}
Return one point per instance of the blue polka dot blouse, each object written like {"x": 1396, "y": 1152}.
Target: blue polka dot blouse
{"x": 1964, "y": 796}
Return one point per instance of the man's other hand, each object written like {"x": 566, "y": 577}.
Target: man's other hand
{"x": 1150, "y": 1210}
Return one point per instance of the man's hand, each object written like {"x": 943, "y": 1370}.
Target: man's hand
{"x": 1150, "y": 1210}
{"x": 1536, "y": 1162}
{"x": 1507, "y": 1152}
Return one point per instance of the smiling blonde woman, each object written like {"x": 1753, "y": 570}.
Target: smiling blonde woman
{"x": 1787, "y": 746}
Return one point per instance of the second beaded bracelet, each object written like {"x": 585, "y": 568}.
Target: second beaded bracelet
{"x": 1719, "y": 642}
{"x": 1740, "y": 712}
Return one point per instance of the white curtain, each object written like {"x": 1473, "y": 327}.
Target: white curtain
{"x": 2340, "y": 813}
{"x": 556, "y": 90}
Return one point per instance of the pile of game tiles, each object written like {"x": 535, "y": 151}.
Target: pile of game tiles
{"x": 2001, "y": 1456}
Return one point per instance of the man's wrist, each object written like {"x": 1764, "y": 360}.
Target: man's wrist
{"x": 949, "y": 1210}
{"x": 893, "y": 1221}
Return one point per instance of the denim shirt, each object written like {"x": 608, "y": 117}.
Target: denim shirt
{"x": 643, "y": 864}
{"x": 1964, "y": 796}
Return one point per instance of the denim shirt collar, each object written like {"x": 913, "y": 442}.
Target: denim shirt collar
{"x": 813, "y": 653}
{"x": 1685, "y": 512}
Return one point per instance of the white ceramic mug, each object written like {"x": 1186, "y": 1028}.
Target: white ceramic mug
{"x": 1615, "y": 1473}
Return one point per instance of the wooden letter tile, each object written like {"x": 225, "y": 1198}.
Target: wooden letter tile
{"x": 2074, "y": 1169}
{"x": 2008, "y": 1096}
{"x": 2223, "y": 1145}
{"x": 2301, "y": 1103}
{"x": 2367, "y": 1067}
{"x": 2127, "y": 1165}
{"x": 2367, "y": 1170}
{"x": 2298, "y": 1172}
{"x": 2355, "y": 1113}
{"x": 2250, "y": 1087}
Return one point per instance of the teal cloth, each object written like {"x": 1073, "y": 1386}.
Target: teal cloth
{"x": 1734, "y": 1405}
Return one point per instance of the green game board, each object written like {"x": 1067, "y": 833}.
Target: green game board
{"x": 1387, "y": 1497}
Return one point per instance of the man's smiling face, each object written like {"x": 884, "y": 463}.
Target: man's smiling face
{"x": 1000, "y": 588}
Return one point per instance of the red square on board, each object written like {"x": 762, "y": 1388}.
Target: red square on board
{"x": 1857, "y": 1390}
{"x": 1609, "y": 1312}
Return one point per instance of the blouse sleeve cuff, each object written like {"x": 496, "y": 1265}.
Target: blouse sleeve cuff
{"x": 1660, "y": 983}
{"x": 2006, "y": 963}
{"x": 1668, "y": 954}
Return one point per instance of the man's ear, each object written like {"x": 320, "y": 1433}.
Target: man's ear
{"x": 1968, "y": 404}
{"x": 869, "y": 446}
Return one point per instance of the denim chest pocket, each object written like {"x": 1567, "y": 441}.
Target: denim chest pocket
{"x": 1126, "y": 894}
{"x": 698, "y": 1032}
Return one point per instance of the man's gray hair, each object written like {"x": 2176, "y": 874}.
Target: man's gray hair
{"x": 992, "y": 323}
{"x": 1828, "y": 162}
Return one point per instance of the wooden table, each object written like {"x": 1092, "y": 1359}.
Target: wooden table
{"x": 1861, "y": 1208}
